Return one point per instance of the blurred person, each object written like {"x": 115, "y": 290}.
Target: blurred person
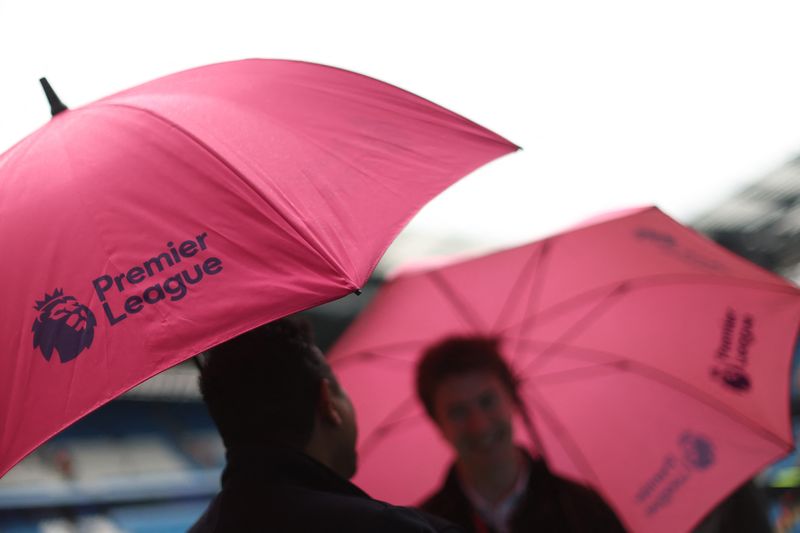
{"x": 289, "y": 431}
{"x": 495, "y": 486}
{"x": 744, "y": 511}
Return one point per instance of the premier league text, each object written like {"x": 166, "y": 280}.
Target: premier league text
{"x": 174, "y": 286}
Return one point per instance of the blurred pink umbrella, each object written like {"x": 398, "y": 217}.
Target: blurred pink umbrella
{"x": 654, "y": 364}
{"x": 150, "y": 225}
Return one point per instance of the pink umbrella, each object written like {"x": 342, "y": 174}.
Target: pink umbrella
{"x": 150, "y": 225}
{"x": 654, "y": 364}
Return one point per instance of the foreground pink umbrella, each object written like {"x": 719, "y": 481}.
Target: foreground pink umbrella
{"x": 146, "y": 227}
{"x": 655, "y": 364}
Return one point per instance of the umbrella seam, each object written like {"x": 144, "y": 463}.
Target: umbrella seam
{"x": 533, "y": 267}
{"x": 546, "y": 413}
{"x": 461, "y": 172}
{"x": 387, "y": 424}
{"x": 179, "y": 357}
{"x": 461, "y": 307}
{"x": 626, "y": 364}
{"x": 235, "y": 171}
{"x": 527, "y": 270}
{"x": 654, "y": 281}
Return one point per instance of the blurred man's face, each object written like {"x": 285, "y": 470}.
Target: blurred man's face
{"x": 474, "y": 413}
{"x": 342, "y": 437}
{"x": 348, "y": 435}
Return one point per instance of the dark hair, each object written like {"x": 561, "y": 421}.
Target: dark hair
{"x": 263, "y": 386}
{"x": 457, "y": 356}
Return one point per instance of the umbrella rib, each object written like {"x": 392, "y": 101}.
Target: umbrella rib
{"x": 565, "y": 306}
{"x": 462, "y": 307}
{"x": 321, "y": 252}
{"x": 580, "y": 324}
{"x": 548, "y": 417}
{"x": 534, "y": 266}
{"x": 626, "y": 364}
{"x": 390, "y": 422}
{"x": 561, "y": 307}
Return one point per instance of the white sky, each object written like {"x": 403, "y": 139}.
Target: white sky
{"x": 615, "y": 103}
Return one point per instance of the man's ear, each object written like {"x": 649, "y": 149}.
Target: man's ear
{"x": 327, "y": 408}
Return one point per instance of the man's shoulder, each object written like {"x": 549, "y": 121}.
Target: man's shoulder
{"x": 366, "y": 514}
{"x": 443, "y": 498}
{"x": 299, "y": 509}
{"x": 403, "y": 519}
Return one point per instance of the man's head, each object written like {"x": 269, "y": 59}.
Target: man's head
{"x": 272, "y": 386}
{"x": 470, "y": 393}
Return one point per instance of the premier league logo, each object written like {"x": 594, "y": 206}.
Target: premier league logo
{"x": 732, "y": 357}
{"x": 697, "y": 450}
{"x": 63, "y": 325}
{"x": 733, "y": 377}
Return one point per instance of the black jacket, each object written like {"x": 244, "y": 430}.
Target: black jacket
{"x": 550, "y": 504}
{"x": 284, "y": 491}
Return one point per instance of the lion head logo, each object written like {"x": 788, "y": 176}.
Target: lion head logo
{"x": 733, "y": 377}
{"x": 697, "y": 450}
{"x": 63, "y": 324}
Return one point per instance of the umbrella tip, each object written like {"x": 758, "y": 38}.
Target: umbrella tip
{"x": 56, "y": 105}
{"x": 358, "y": 292}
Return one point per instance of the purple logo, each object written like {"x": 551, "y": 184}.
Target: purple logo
{"x": 64, "y": 325}
{"x": 111, "y": 289}
{"x": 732, "y": 377}
{"x": 692, "y": 454}
{"x": 732, "y": 356}
{"x": 669, "y": 245}
{"x": 697, "y": 450}
{"x": 659, "y": 237}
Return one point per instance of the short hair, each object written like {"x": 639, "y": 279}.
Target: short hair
{"x": 263, "y": 386}
{"x": 459, "y": 355}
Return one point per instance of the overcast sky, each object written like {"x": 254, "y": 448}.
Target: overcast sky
{"x": 674, "y": 103}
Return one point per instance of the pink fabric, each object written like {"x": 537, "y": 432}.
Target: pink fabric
{"x": 282, "y": 182}
{"x": 620, "y": 331}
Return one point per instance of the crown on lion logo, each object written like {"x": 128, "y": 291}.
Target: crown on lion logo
{"x": 40, "y": 304}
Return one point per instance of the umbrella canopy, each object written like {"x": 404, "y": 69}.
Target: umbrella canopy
{"x": 654, "y": 364}
{"x": 155, "y": 223}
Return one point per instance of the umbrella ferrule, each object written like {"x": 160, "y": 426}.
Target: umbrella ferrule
{"x": 56, "y": 105}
